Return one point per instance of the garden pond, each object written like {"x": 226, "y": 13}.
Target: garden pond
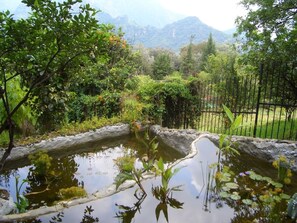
{"x": 194, "y": 197}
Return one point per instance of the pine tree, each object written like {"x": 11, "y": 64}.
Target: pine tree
{"x": 210, "y": 49}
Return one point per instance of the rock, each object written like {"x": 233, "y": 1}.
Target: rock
{"x": 268, "y": 150}
{"x": 7, "y": 205}
{"x": 4, "y": 194}
{"x": 68, "y": 142}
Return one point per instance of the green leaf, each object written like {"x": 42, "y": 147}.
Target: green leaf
{"x": 237, "y": 122}
{"x": 276, "y": 184}
{"x": 228, "y": 113}
{"x": 235, "y": 196}
{"x": 285, "y": 196}
{"x": 161, "y": 207}
{"x": 160, "y": 164}
{"x": 121, "y": 178}
{"x": 247, "y": 202}
{"x": 222, "y": 140}
{"x": 224, "y": 194}
{"x": 36, "y": 3}
{"x": 232, "y": 185}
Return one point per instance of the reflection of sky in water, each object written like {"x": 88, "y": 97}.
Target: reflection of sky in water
{"x": 93, "y": 169}
{"x": 10, "y": 183}
{"x": 190, "y": 177}
{"x": 97, "y": 170}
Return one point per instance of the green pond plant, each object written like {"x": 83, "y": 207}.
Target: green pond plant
{"x": 163, "y": 193}
{"x": 226, "y": 145}
{"x": 284, "y": 172}
{"x": 22, "y": 202}
{"x": 259, "y": 197}
{"x": 72, "y": 192}
{"x": 132, "y": 169}
{"x": 127, "y": 164}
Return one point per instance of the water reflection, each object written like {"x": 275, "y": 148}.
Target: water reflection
{"x": 44, "y": 191}
{"x": 90, "y": 166}
{"x": 197, "y": 202}
{"x": 127, "y": 213}
{"x": 86, "y": 218}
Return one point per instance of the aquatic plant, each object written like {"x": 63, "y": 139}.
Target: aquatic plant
{"x": 284, "y": 172}
{"x": 127, "y": 163}
{"x": 72, "y": 192}
{"x": 128, "y": 171}
{"x": 21, "y": 201}
{"x": 226, "y": 145}
{"x": 163, "y": 193}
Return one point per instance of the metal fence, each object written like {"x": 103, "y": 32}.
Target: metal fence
{"x": 267, "y": 102}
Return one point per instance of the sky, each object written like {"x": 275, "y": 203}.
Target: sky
{"x": 219, "y": 14}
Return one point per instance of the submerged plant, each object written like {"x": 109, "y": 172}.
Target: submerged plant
{"x": 72, "y": 192}
{"x": 21, "y": 201}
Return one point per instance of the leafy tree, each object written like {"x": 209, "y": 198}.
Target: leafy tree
{"x": 43, "y": 50}
{"x": 268, "y": 32}
{"x": 210, "y": 49}
{"x": 221, "y": 66}
{"x": 269, "y": 29}
{"x": 161, "y": 66}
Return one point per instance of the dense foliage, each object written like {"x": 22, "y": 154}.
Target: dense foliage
{"x": 60, "y": 67}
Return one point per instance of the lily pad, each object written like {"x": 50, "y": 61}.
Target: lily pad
{"x": 224, "y": 194}
{"x": 232, "y": 185}
{"x": 276, "y": 184}
{"x": 247, "y": 201}
{"x": 235, "y": 197}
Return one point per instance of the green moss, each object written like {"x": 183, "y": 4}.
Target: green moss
{"x": 72, "y": 192}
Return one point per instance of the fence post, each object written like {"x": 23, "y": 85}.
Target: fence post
{"x": 258, "y": 99}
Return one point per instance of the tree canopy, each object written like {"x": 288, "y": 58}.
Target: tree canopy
{"x": 42, "y": 51}
{"x": 269, "y": 29}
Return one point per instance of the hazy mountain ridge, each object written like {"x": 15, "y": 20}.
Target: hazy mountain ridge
{"x": 172, "y": 36}
{"x": 142, "y": 13}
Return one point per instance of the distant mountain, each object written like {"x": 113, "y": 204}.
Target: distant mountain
{"x": 142, "y": 13}
{"x": 158, "y": 29}
{"x": 172, "y": 36}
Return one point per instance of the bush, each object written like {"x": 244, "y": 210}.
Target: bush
{"x": 173, "y": 102}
